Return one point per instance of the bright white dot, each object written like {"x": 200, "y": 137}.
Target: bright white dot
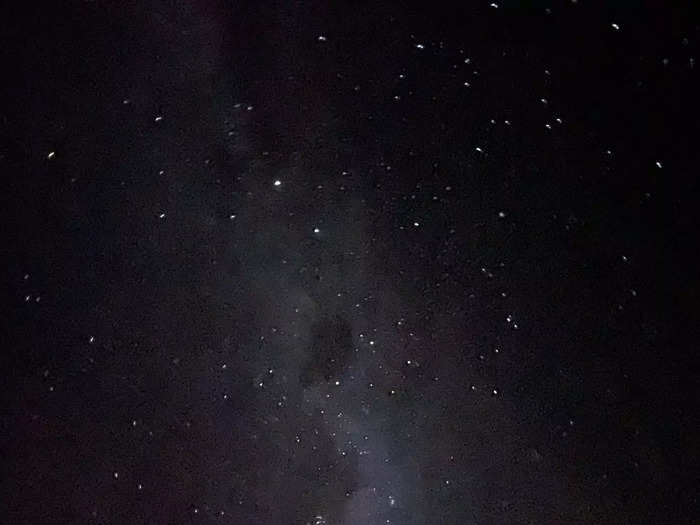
{"x": 544, "y": 101}
{"x": 420, "y": 46}
{"x": 133, "y": 423}
{"x": 322, "y": 38}
{"x": 158, "y": 118}
{"x": 501, "y": 214}
{"x": 91, "y": 340}
{"x": 51, "y": 154}
{"x": 116, "y": 475}
{"x": 337, "y": 383}
{"x": 416, "y": 224}
{"x": 278, "y": 182}
{"x": 659, "y": 165}
{"x": 140, "y": 486}
{"x": 479, "y": 149}
{"x": 392, "y": 501}
{"x": 161, "y": 215}
{"x": 494, "y": 391}
{"x": 616, "y": 27}
{"x": 494, "y": 5}
{"x": 316, "y": 230}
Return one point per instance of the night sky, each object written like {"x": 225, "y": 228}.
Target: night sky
{"x": 307, "y": 262}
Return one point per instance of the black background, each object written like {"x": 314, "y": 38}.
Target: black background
{"x": 512, "y": 328}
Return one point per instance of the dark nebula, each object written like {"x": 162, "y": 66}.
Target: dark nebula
{"x": 330, "y": 350}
